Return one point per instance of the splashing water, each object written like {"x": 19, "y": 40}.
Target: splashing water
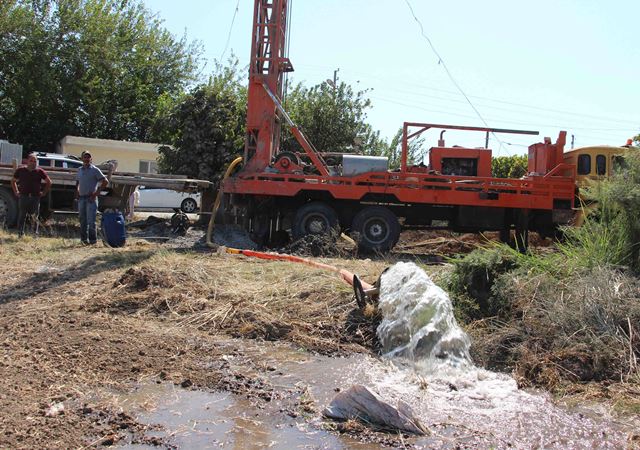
{"x": 419, "y": 328}
{"x": 443, "y": 385}
{"x": 418, "y": 323}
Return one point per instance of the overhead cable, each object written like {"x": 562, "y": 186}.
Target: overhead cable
{"x": 388, "y": 86}
{"x": 226, "y": 47}
{"x": 446, "y": 69}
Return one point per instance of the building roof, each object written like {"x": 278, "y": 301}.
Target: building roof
{"x": 110, "y": 144}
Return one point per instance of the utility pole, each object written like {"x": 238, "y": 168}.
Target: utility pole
{"x": 334, "y": 83}
{"x": 573, "y": 138}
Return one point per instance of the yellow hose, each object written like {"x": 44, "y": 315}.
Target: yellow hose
{"x": 216, "y": 204}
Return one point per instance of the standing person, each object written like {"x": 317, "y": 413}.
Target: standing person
{"x": 134, "y": 199}
{"x": 89, "y": 182}
{"x": 27, "y": 186}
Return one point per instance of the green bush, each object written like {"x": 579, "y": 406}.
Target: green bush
{"x": 569, "y": 315}
{"x": 472, "y": 283}
{"x": 514, "y": 166}
{"x": 610, "y": 235}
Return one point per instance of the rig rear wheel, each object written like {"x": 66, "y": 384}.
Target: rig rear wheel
{"x": 376, "y": 229}
{"x": 314, "y": 218}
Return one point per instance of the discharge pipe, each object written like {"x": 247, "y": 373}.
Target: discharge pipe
{"x": 363, "y": 291}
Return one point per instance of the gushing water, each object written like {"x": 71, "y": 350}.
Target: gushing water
{"x": 419, "y": 328}
{"x": 418, "y": 323}
{"x": 442, "y": 384}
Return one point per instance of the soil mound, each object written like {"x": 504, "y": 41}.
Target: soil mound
{"x": 233, "y": 236}
{"x": 138, "y": 279}
{"x": 315, "y": 245}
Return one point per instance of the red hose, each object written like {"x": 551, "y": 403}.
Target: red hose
{"x": 344, "y": 274}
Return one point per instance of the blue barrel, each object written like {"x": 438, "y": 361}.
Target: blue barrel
{"x": 113, "y": 229}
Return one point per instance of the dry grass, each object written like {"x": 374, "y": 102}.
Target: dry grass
{"x": 243, "y": 297}
{"x": 188, "y": 290}
{"x": 562, "y": 334}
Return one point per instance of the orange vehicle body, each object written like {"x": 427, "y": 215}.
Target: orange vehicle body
{"x": 307, "y": 193}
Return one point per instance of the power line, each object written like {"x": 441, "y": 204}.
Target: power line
{"x": 363, "y": 76}
{"x": 510, "y": 110}
{"x": 562, "y": 122}
{"x": 601, "y": 137}
{"x": 446, "y": 69}
{"x": 226, "y": 47}
{"x": 383, "y": 99}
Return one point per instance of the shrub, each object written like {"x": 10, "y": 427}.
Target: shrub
{"x": 578, "y": 329}
{"x": 513, "y": 166}
{"x": 472, "y": 283}
{"x": 569, "y": 315}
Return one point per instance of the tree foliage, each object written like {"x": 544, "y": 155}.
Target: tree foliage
{"x": 93, "y": 68}
{"x": 514, "y": 166}
{"x": 393, "y": 150}
{"x": 333, "y": 119}
{"x": 205, "y": 127}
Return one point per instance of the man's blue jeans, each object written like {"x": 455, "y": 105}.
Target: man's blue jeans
{"x": 88, "y": 210}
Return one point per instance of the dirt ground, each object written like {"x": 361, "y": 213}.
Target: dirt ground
{"x": 77, "y": 323}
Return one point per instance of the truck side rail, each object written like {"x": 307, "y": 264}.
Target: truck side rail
{"x": 408, "y": 187}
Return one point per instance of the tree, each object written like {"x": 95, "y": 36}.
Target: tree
{"x": 333, "y": 119}
{"x": 514, "y": 166}
{"x": 93, "y": 68}
{"x": 393, "y": 151}
{"x": 205, "y": 127}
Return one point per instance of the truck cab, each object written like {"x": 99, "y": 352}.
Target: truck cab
{"x": 595, "y": 163}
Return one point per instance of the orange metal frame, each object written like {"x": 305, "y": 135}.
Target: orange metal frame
{"x": 266, "y": 69}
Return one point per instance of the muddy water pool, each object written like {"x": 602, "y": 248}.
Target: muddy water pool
{"x": 474, "y": 409}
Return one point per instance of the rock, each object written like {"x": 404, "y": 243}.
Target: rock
{"x": 358, "y": 402}
{"x": 55, "y": 410}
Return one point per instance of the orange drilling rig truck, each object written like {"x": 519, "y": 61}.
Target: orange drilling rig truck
{"x": 317, "y": 191}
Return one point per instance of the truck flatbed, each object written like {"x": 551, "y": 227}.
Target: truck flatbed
{"x": 121, "y": 185}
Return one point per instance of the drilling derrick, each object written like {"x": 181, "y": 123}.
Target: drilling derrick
{"x": 269, "y": 63}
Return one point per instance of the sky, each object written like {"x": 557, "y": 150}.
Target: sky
{"x": 544, "y": 66}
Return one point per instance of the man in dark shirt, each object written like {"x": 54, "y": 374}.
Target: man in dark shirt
{"x": 27, "y": 186}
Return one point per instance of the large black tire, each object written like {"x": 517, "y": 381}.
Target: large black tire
{"x": 376, "y": 229}
{"x": 189, "y": 206}
{"x": 314, "y": 218}
{"x": 8, "y": 208}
